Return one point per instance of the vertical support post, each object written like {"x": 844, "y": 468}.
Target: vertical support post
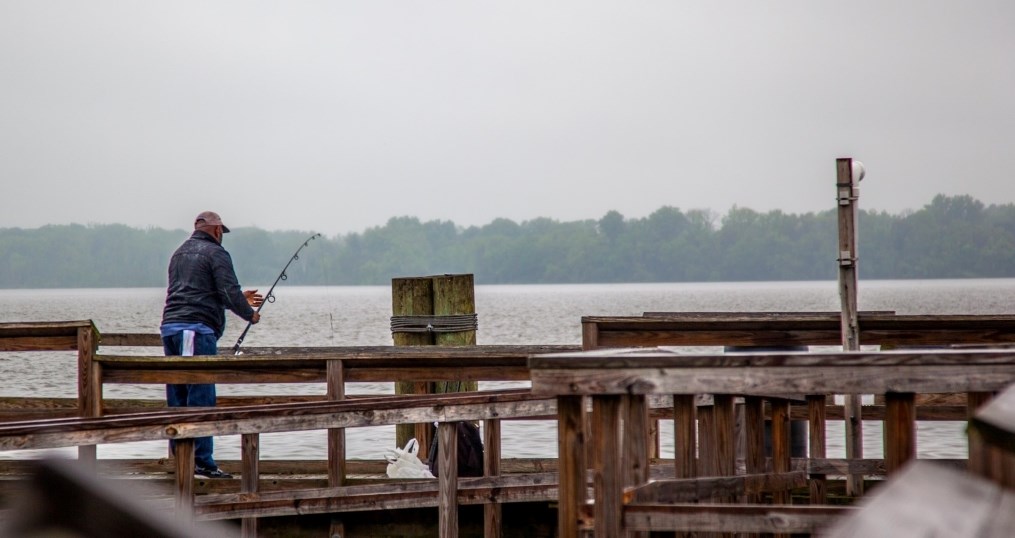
{"x": 590, "y": 336}
{"x": 184, "y": 462}
{"x": 250, "y": 456}
{"x": 573, "y": 485}
{"x": 636, "y": 449}
{"x": 706, "y": 440}
{"x": 847, "y": 196}
{"x": 685, "y": 436}
{"x": 89, "y": 386}
{"x": 607, "y": 474}
{"x": 491, "y": 467}
{"x": 412, "y": 297}
{"x": 754, "y": 438}
{"x": 980, "y": 454}
{"x": 336, "y": 438}
{"x": 725, "y": 442}
{"x": 900, "y": 430}
{"x": 447, "y": 480}
{"x": 781, "y": 455}
{"x": 818, "y": 483}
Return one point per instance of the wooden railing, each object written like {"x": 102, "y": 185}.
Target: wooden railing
{"x": 645, "y": 396}
{"x": 618, "y": 381}
{"x": 884, "y": 329}
{"x": 250, "y": 421}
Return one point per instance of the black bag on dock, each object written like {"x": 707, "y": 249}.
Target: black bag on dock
{"x": 470, "y": 450}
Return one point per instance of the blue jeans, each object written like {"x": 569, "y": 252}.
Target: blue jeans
{"x": 196, "y": 395}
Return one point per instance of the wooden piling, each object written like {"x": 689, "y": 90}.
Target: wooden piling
{"x": 847, "y": 196}
{"x": 412, "y": 297}
{"x": 440, "y": 295}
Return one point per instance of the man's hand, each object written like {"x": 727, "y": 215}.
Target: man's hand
{"x": 256, "y": 318}
{"x": 254, "y": 299}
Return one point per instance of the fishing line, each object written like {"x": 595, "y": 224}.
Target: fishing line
{"x": 270, "y": 297}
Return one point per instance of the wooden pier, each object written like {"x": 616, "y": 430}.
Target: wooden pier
{"x": 605, "y": 402}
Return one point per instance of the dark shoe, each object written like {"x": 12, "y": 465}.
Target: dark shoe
{"x": 211, "y": 473}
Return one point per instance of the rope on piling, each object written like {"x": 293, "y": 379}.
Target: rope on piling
{"x": 435, "y": 324}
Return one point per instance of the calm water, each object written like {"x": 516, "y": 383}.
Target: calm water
{"x": 523, "y": 314}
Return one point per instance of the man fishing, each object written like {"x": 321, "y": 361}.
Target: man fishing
{"x": 202, "y": 286}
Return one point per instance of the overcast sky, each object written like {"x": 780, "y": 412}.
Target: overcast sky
{"x": 335, "y": 116}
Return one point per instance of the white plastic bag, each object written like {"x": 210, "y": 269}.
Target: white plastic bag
{"x": 404, "y": 463}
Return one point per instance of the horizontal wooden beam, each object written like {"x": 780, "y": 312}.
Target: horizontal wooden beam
{"x": 684, "y": 490}
{"x": 770, "y": 329}
{"x": 200, "y": 422}
{"x": 415, "y": 494}
{"x": 765, "y": 381}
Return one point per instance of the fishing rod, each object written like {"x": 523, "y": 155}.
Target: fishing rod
{"x": 270, "y": 297}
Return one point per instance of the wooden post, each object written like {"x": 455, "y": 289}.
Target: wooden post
{"x": 685, "y": 442}
{"x": 980, "y": 454}
{"x": 571, "y": 464}
{"x": 816, "y": 419}
{"x": 491, "y": 467}
{"x": 590, "y": 336}
{"x": 412, "y": 297}
{"x": 706, "y": 440}
{"x": 250, "y": 455}
{"x": 636, "y": 450}
{"x": 847, "y": 196}
{"x": 89, "y": 386}
{"x": 900, "y": 430}
{"x": 607, "y": 473}
{"x": 754, "y": 439}
{"x": 781, "y": 455}
{"x": 725, "y": 442}
{"x": 184, "y": 462}
{"x": 336, "y": 439}
{"x": 447, "y": 480}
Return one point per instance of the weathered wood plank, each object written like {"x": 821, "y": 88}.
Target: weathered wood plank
{"x": 196, "y": 422}
{"x": 768, "y": 380}
{"x": 669, "y": 357}
{"x": 719, "y": 329}
{"x": 38, "y": 343}
{"x": 687, "y": 490}
{"x": 406, "y": 494}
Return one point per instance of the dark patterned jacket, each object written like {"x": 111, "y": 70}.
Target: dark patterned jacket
{"x": 203, "y": 285}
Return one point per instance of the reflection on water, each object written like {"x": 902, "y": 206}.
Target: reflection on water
{"x": 520, "y": 314}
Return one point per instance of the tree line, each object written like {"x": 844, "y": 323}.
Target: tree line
{"x": 951, "y": 237}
